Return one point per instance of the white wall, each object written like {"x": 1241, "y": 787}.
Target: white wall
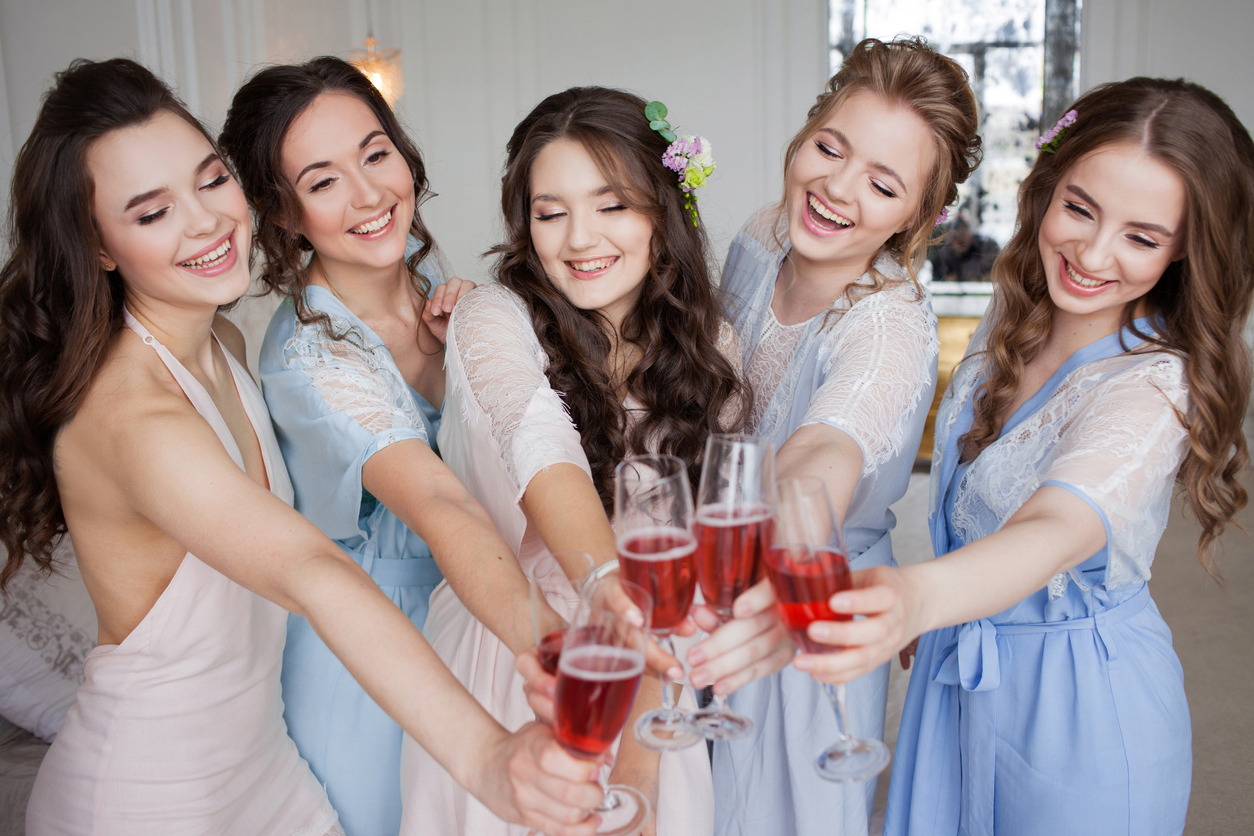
{"x": 740, "y": 72}
{"x": 1206, "y": 41}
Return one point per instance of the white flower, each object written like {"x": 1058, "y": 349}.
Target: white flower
{"x": 706, "y": 158}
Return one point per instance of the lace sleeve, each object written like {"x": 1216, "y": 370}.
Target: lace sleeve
{"x": 1120, "y": 454}
{"x": 883, "y": 359}
{"x": 503, "y": 366}
{"x": 361, "y": 382}
{"x": 729, "y": 347}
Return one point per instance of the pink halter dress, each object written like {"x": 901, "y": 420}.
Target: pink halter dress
{"x": 179, "y": 729}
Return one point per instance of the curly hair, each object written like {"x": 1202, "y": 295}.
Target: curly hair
{"x": 681, "y": 380}
{"x": 259, "y": 118}
{"x": 1201, "y": 302}
{"x": 908, "y": 73}
{"x": 59, "y": 309}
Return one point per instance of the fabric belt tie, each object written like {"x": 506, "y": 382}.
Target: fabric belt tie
{"x": 398, "y": 571}
{"x": 971, "y": 661}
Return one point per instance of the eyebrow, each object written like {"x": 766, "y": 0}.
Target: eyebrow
{"x": 1148, "y": 227}
{"x": 604, "y": 190}
{"x": 150, "y": 194}
{"x": 880, "y": 167}
{"x": 327, "y": 163}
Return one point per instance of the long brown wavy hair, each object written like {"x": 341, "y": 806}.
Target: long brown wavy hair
{"x": 1201, "y": 302}
{"x": 908, "y": 73}
{"x": 59, "y": 308}
{"x": 259, "y": 118}
{"x": 681, "y": 380}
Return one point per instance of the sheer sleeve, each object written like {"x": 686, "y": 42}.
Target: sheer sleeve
{"x": 883, "y": 359}
{"x": 355, "y": 380}
{"x": 729, "y": 346}
{"x": 501, "y": 362}
{"x": 1120, "y": 454}
{"x": 334, "y": 404}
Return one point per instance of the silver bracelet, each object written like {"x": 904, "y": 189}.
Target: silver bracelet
{"x": 598, "y": 573}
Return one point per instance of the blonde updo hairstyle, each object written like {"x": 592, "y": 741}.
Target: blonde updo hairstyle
{"x": 910, "y": 74}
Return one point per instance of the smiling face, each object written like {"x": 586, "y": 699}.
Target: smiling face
{"x": 170, "y": 215}
{"x": 1114, "y": 224}
{"x": 594, "y": 249}
{"x": 356, "y": 191}
{"x": 855, "y": 184}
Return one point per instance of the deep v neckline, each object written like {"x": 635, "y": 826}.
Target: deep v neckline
{"x": 203, "y": 402}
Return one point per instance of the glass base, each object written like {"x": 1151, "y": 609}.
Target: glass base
{"x": 713, "y": 724}
{"x": 624, "y": 812}
{"x": 664, "y": 731}
{"x": 854, "y": 760}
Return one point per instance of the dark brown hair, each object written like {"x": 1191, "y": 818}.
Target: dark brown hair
{"x": 908, "y": 73}
{"x": 59, "y": 309}
{"x": 682, "y": 380}
{"x": 260, "y": 116}
{"x": 1202, "y": 301}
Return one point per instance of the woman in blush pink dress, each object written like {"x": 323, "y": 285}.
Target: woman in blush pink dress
{"x": 127, "y": 418}
{"x": 602, "y": 340}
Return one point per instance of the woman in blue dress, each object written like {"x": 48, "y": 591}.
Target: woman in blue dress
{"x": 1046, "y": 697}
{"x": 352, "y": 367}
{"x": 840, "y": 348}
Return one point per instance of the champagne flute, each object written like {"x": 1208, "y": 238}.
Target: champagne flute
{"x": 732, "y": 523}
{"x": 550, "y": 644}
{"x": 598, "y": 674}
{"x": 653, "y": 516}
{"x": 807, "y": 563}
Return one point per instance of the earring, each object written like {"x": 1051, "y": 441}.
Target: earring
{"x": 109, "y": 266}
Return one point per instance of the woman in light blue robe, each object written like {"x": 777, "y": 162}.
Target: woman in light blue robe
{"x": 840, "y": 349}
{"x": 325, "y": 401}
{"x": 352, "y": 369}
{"x": 1089, "y": 653}
{"x": 1045, "y": 696}
{"x": 869, "y": 370}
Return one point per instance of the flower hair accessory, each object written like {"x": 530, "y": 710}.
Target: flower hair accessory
{"x": 687, "y": 156}
{"x": 1048, "y": 142}
{"x": 942, "y": 217}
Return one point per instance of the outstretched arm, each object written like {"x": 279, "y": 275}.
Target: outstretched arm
{"x": 172, "y": 469}
{"x": 1053, "y": 531}
{"x": 409, "y": 478}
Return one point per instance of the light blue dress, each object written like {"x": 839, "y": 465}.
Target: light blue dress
{"x": 868, "y": 369}
{"x": 334, "y": 404}
{"x": 1064, "y": 714}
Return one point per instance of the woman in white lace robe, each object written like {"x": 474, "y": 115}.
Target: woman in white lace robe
{"x": 840, "y": 348}
{"x": 352, "y": 371}
{"x": 553, "y": 377}
{"x": 1045, "y": 696}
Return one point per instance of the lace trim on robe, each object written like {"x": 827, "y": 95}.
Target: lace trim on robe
{"x": 359, "y": 380}
{"x": 1110, "y": 430}
{"x": 881, "y": 349}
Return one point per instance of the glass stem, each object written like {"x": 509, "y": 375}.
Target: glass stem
{"x": 836, "y": 693}
{"x": 668, "y": 696}
{"x": 609, "y": 800}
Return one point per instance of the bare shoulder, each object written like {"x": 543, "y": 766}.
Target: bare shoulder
{"x": 131, "y": 395}
{"x": 231, "y": 337}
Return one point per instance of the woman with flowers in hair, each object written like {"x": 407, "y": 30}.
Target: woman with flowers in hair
{"x": 1046, "y": 697}
{"x": 602, "y": 340}
{"x": 839, "y": 344}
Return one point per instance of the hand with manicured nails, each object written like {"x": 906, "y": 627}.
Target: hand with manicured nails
{"x": 443, "y": 298}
